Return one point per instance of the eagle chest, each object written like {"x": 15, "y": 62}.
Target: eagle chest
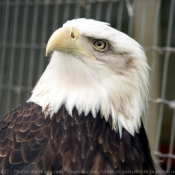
{"x": 76, "y": 143}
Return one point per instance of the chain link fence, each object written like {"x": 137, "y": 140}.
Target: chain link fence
{"x": 26, "y": 25}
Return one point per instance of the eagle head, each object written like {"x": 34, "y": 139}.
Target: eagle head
{"x": 94, "y": 68}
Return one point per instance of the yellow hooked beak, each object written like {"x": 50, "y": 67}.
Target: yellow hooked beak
{"x": 65, "y": 40}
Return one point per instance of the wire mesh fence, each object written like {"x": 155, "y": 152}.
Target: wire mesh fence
{"x": 26, "y": 25}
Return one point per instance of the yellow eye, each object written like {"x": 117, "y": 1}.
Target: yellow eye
{"x": 100, "y": 45}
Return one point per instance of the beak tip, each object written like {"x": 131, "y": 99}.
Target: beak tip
{"x": 60, "y": 38}
{"x": 47, "y": 53}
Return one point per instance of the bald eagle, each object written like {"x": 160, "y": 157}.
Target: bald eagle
{"x": 84, "y": 114}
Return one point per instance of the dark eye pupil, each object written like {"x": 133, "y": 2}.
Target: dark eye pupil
{"x": 99, "y": 43}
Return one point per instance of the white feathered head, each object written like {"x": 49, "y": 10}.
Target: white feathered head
{"x": 95, "y": 67}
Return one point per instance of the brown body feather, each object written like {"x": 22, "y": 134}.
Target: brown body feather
{"x": 31, "y": 144}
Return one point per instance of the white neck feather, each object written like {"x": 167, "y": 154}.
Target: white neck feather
{"x": 76, "y": 83}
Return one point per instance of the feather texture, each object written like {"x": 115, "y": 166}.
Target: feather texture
{"x": 68, "y": 144}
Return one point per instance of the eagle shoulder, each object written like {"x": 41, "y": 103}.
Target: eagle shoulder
{"x": 23, "y": 139}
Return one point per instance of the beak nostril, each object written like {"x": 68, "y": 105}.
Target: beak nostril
{"x": 72, "y": 35}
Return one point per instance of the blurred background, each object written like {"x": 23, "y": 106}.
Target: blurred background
{"x": 26, "y": 25}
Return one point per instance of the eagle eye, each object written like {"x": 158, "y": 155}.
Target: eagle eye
{"x": 100, "y": 45}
